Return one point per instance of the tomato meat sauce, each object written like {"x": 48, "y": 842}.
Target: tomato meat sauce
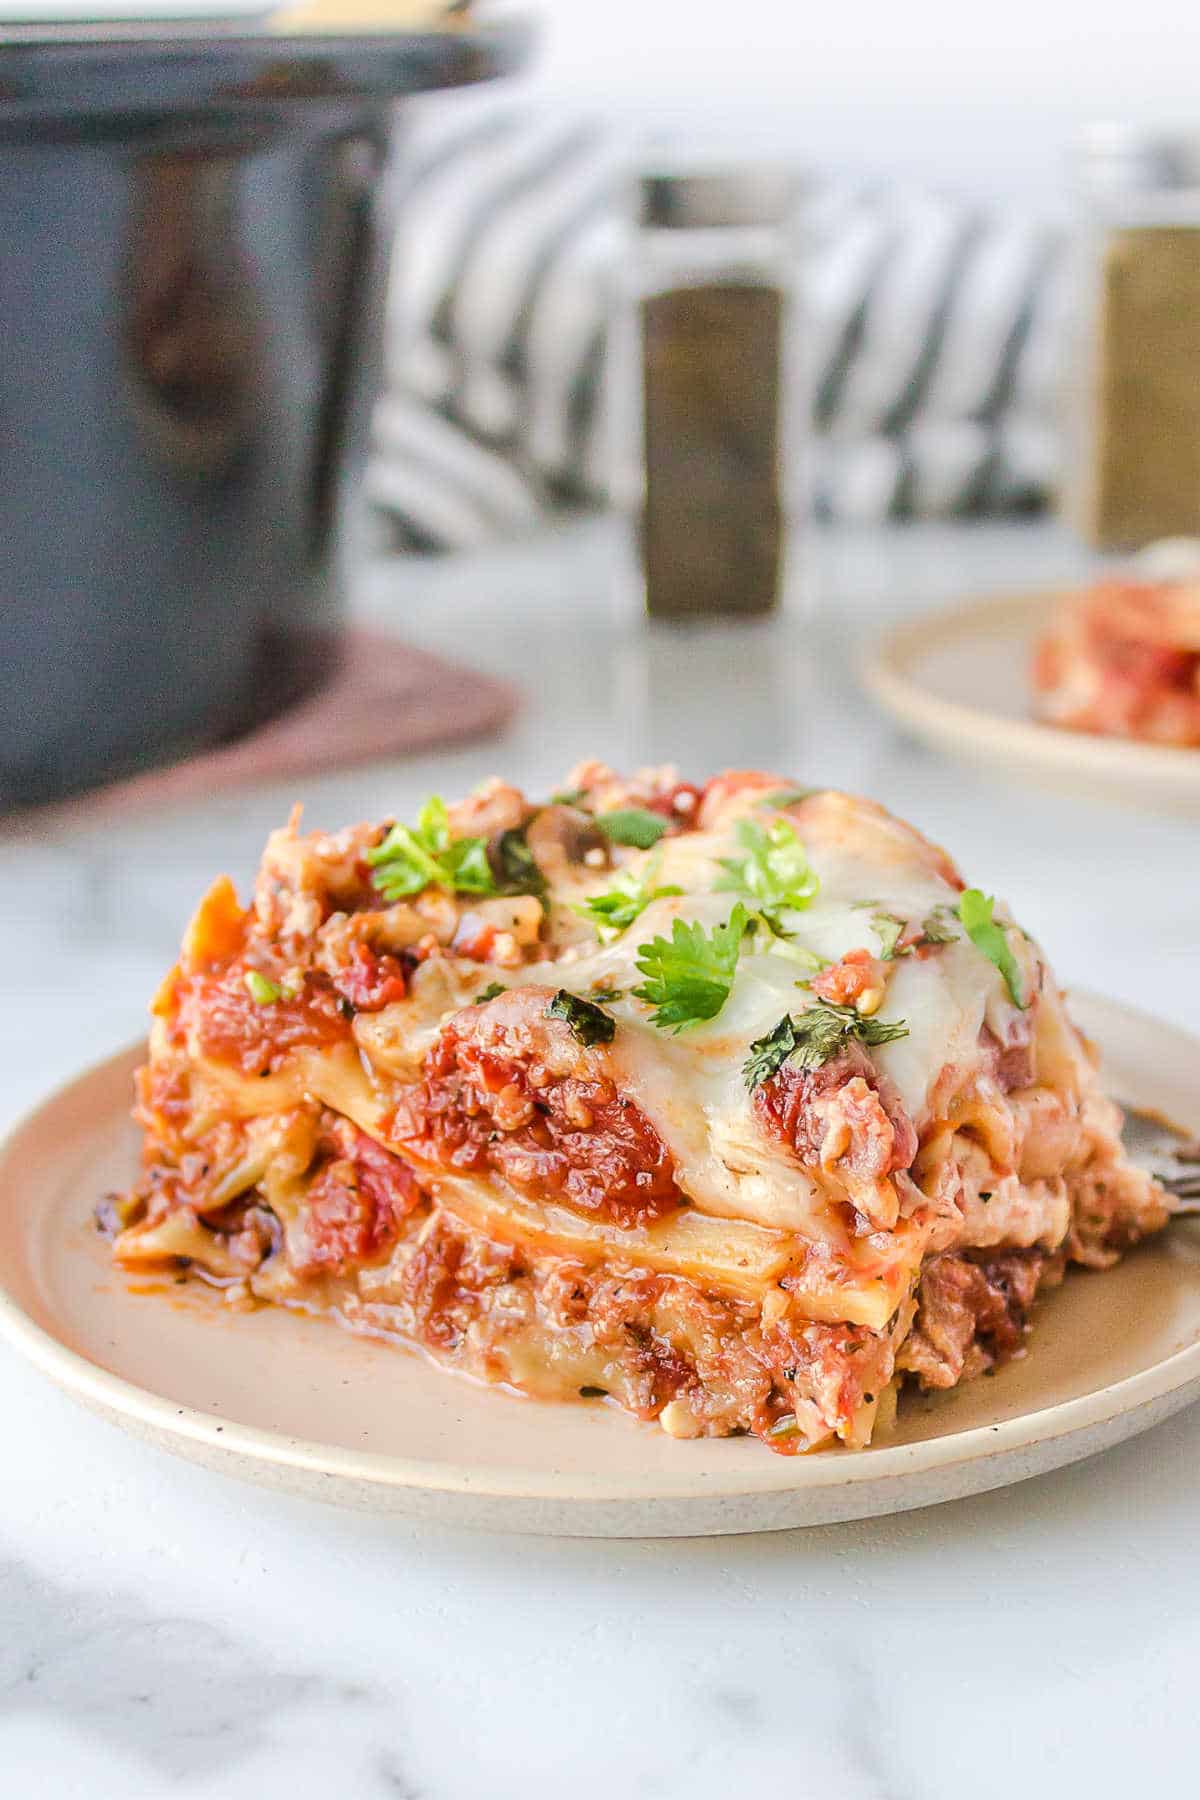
{"x": 355, "y": 1205}
{"x": 229, "y": 1025}
{"x": 567, "y": 1135}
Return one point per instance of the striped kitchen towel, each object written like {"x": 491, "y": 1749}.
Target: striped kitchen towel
{"x": 935, "y": 332}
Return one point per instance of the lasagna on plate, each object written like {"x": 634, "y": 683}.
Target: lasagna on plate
{"x": 732, "y": 1105}
{"x": 1122, "y": 659}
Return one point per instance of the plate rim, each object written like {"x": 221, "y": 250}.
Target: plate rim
{"x": 885, "y": 669}
{"x": 775, "y": 1477}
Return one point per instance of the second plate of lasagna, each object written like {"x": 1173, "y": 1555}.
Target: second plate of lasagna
{"x": 1093, "y": 689}
{"x": 688, "y": 1113}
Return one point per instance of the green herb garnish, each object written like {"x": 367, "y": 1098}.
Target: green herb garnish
{"x": 936, "y": 927}
{"x": 767, "y": 1054}
{"x": 602, "y": 995}
{"x": 568, "y": 796}
{"x": 516, "y": 865}
{"x": 630, "y": 894}
{"x": 788, "y": 796}
{"x": 782, "y": 943}
{"x": 412, "y": 858}
{"x": 262, "y": 990}
{"x": 590, "y": 1024}
{"x": 689, "y": 974}
{"x": 890, "y": 929}
{"x": 632, "y": 826}
{"x": 489, "y": 993}
{"x": 975, "y": 912}
{"x": 808, "y": 959}
{"x": 774, "y": 872}
{"x": 814, "y": 1037}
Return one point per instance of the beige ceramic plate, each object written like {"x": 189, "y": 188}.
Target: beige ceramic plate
{"x": 959, "y": 680}
{"x": 297, "y": 1404}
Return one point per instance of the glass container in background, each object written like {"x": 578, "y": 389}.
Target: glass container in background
{"x": 1135, "y": 464}
{"x": 707, "y": 389}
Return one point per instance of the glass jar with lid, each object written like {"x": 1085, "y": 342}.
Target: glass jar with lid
{"x": 1135, "y": 443}
{"x": 707, "y": 390}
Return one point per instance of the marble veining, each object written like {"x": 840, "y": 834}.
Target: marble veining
{"x": 185, "y": 1694}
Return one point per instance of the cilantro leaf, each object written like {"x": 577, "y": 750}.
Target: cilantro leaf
{"x": 632, "y": 826}
{"x": 813, "y": 1037}
{"x": 568, "y": 796}
{"x": 936, "y": 927}
{"x": 489, "y": 993}
{"x": 779, "y": 942}
{"x": 768, "y": 1054}
{"x": 889, "y": 928}
{"x": 689, "y": 974}
{"x": 414, "y": 857}
{"x": 516, "y": 864}
{"x": 628, "y": 897}
{"x": 975, "y": 911}
{"x": 808, "y": 959}
{"x": 589, "y": 1022}
{"x": 774, "y": 872}
{"x": 783, "y": 797}
{"x": 262, "y": 990}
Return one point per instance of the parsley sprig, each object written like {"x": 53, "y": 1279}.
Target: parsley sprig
{"x": 490, "y": 992}
{"x": 936, "y": 927}
{"x": 689, "y": 974}
{"x": 630, "y": 894}
{"x": 516, "y": 866}
{"x": 813, "y": 1037}
{"x": 774, "y": 873}
{"x": 414, "y": 857}
{"x": 776, "y": 941}
{"x": 975, "y": 910}
{"x": 634, "y": 826}
{"x": 589, "y": 1023}
{"x": 890, "y": 928}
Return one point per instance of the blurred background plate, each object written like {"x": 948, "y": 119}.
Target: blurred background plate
{"x": 959, "y": 681}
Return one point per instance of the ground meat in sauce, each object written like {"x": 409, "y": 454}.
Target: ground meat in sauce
{"x": 354, "y": 1207}
{"x": 972, "y": 1315}
{"x": 370, "y": 981}
{"x": 507, "y": 1089}
{"x": 796, "y": 1106}
{"x": 230, "y": 1026}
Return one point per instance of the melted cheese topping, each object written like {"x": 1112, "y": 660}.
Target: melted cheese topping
{"x": 691, "y": 1085}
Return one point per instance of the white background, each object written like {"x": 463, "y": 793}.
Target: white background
{"x": 982, "y": 97}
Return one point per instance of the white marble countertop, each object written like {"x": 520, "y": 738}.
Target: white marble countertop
{"x": 164, "y": 1629}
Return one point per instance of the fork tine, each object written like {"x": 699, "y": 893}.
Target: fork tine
{"x": 1183, "y": 1187}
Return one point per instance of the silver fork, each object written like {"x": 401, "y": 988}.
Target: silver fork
{"x": 1171, "y": 1155}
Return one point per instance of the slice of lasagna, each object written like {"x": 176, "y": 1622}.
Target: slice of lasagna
{"x": 729, "y": 1103}
{"x": 1122, "y": 659}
